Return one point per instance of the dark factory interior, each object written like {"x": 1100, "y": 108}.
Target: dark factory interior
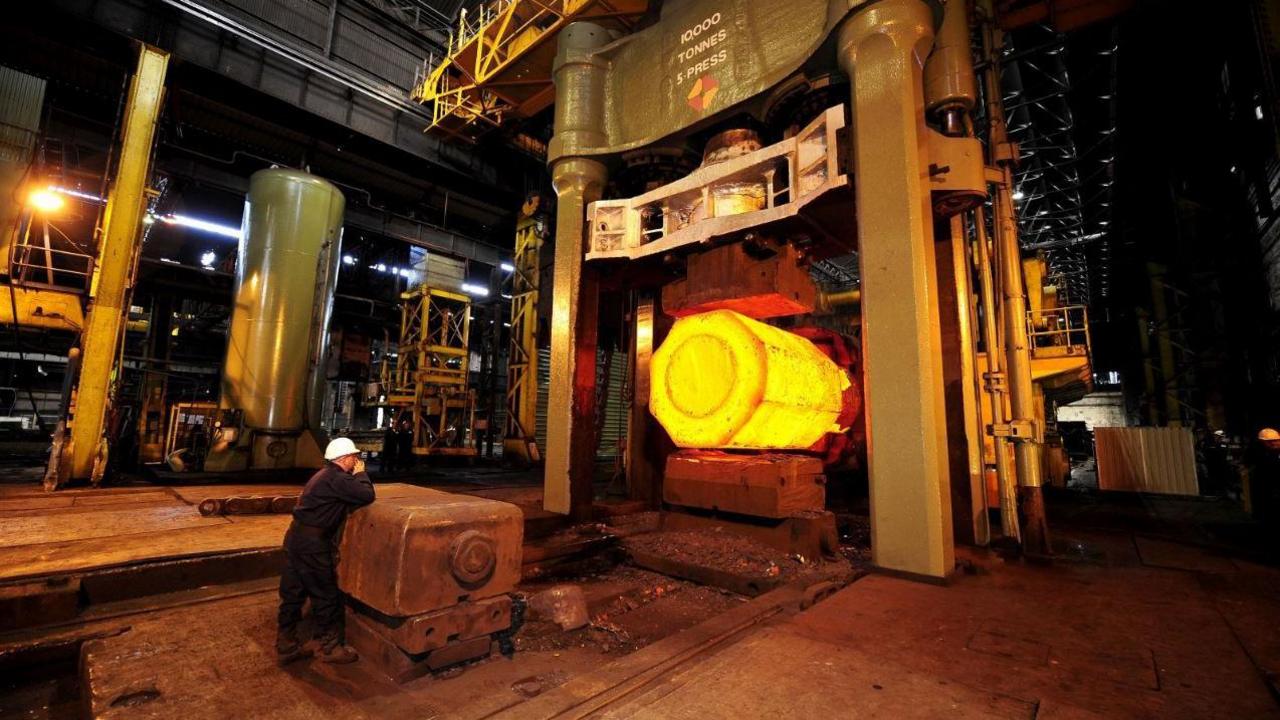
{"x": 640, "y": 359}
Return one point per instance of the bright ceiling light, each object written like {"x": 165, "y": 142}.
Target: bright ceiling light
{"x": 207, "y": 259}
{"x": 470, "y": 289}
{"x": 46, "y": 200}
{"x": 212, "y": 228}
{"x": 1018, "y": 195}
{"x": 348, "y": 260}
{"x": 77, "y": 193}
{"x": 507, "y": 267}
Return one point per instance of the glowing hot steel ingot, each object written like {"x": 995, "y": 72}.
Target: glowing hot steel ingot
{"x": 723, "y": 380}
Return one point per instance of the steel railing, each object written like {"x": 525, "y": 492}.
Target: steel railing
{"x": 1060, "y": 331}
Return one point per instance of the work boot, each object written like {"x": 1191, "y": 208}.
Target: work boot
{"x": 288, "y": 648}
{"x": 339, "y": 654}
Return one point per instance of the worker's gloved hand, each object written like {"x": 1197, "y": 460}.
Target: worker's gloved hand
{"x": 359, "y": 468}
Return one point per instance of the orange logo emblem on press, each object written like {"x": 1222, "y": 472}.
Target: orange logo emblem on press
{"x": 703, "y": 92}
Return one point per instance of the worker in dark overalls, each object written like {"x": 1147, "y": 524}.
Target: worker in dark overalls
{"x": 334, "y": 491}
{"x": 389, "y": 456}
{"x": 404, "y": 443}
{"x": 1262, "y": 488}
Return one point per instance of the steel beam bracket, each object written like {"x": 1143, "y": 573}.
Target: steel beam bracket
{"x": 996, "y": 382}
{"x": 1006, "y": 153}
{"x": 1023, "y": 430}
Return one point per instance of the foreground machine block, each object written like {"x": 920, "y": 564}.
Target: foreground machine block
{"x": 429, "y": 577}
{"x": 413, "y": 555}
{"x": 769, "y": 486}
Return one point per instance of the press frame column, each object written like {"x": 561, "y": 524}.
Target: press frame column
{"x": 882, "y": 49}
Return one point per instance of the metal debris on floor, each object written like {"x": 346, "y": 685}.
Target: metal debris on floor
{"x": 629, "y": 608}
{"x": 724, "y": 551}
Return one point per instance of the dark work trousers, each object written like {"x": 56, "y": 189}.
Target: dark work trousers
{"x": 389, "y": 455}
{"x": 310, "y": 572}
{"x": 404, "y": 449}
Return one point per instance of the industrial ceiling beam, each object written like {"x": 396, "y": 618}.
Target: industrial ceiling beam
{"x": 279, "y": 63}
{"x": 1065, "y": 193}
{"x": 415, "y": 232}
{"x": 349, "y": 77}
{"x": 1062, "y": 15}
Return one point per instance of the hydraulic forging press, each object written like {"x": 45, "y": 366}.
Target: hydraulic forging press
{"x": 813, "y": 122}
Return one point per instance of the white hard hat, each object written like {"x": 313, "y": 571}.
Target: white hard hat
{"x": 339, "y": 447}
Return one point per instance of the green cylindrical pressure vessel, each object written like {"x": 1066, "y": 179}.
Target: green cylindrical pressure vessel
{"x": 285, "y": 276}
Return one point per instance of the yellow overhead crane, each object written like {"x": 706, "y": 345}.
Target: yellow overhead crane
{"x": 497, "y": 65}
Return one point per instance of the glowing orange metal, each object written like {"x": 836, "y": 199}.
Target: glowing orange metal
{"x": 723, "y": 380}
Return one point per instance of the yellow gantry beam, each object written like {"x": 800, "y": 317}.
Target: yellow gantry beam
{"x": 41, "y": 308}
{"x": 113, "y": 273}
{"x": 498, "y": 62}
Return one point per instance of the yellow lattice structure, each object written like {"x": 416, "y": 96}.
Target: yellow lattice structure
{"x": 497, "y": 65}
{"x": 522, "y": 361}
{"x": 432, "y": 369}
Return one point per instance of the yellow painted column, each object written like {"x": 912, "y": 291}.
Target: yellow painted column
{"x": 994, "y": 382}
{"x": 578, "y": 181}
{"x": 117, "y": 260}
{"x": 966, "y": 321}
{"x": 882, "y": 49}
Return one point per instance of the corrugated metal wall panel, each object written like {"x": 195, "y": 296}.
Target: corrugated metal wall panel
{"x": 438, "y": 271}
{"x": 544, "y": 382}
{"x": 376, "y": 52}
{"x": 615, "y": 409}
{"x": 306, "y": 20}
{"x": 1146, "y": 459}
{"x": 614, "y": 428}
{"x": 21, "y": 103}
{"x": 445, "y": 272}
{"x": 356, "y": 40}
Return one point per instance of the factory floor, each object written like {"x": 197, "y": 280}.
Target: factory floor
{"x": 1149, "y": 629}
{"x": 1145, "y": 613}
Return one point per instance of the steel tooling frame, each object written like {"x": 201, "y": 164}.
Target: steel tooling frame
{"x": 432, "y": 370}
